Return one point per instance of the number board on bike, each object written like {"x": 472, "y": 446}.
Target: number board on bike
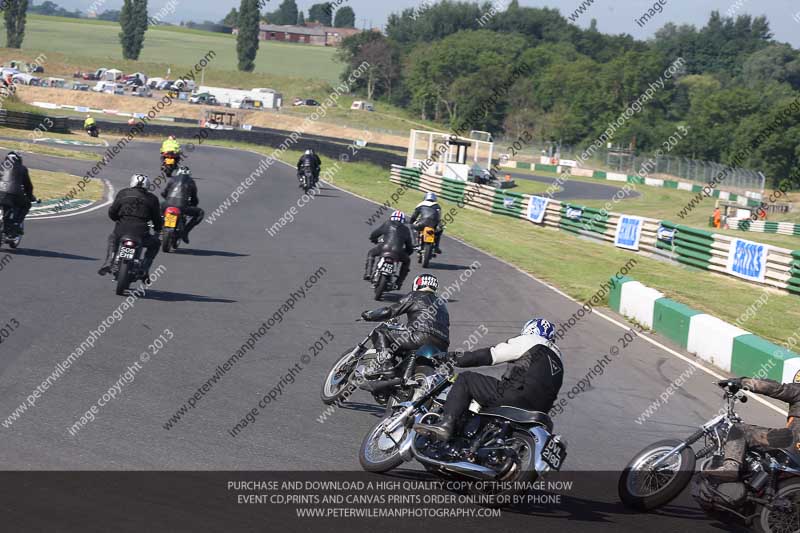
{"x": 554, "y": 453}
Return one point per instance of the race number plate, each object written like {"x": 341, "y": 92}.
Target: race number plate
{"x": 429, "y": 236}
{"x": 554, "y": 453}
{"x": 126, "y": 253}
{"x": 387, "y": 268}
{"x": 169, "y": 161}
{"x": 170, "y": 220}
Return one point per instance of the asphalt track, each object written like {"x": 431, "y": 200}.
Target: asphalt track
{"x": 576, "y": 189}
{"x": 217, "y": 291}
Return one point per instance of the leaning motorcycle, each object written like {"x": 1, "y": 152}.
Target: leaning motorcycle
{"x": 427, "y": 243}
{"x": 92, "y": 131}
{"x": 357, "y": 368}
{"x": 169, "y": 162}
{"x": 174, "y": 226}
{"x": 766, "y": 498}
{"x": 505, "y": 448}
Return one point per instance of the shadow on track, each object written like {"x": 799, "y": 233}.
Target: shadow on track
{"x": 165, "y": 296}
{"x": 445, "y": 266}
{"x": 208, "y": 253}
{"x": 53, "y": 255}
{"x": 364, "y": 408}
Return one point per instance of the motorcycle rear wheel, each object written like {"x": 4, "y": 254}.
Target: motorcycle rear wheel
{"x": 427, "y": 253}
{"x": 380, "y": 287}
{"x": 669, "y": 482}
{"x": 778, "y": 519}
{"x": 123, "y": 278}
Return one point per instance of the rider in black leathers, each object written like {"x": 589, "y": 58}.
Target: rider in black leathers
{"x": 311, "y": 159}
{"x": 428, "y": 213}
{"x": 181, "y": 191}
{"x": 742, "y": 436}
{"x": 532, "y": 379}
{"x": 397, "y": 241}
{"x": 132, "y": 209}
{"x": 16, "y": 189}
{"x": 428, "y": 323}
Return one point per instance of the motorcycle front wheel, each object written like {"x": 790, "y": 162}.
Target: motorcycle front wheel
{"x": 336, "y": 383}
{"x": 380, "y": 451}
{"x": 643, "y": 488}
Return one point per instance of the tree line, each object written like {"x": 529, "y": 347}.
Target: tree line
{"x": 444, "y": 61}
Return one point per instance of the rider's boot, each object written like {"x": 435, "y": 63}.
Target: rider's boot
{"x": 441, "y": 431}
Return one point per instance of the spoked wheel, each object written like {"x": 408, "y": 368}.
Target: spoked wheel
{"x": 336, "y": 382}
{"x": 644, "y": 488}
{"x": 166, "y": 244}
{"x": 784, "y": 514}
{"x": 421, "y": 375}
{"x": 380, "y": 450}
{"x": 518, "y": 475}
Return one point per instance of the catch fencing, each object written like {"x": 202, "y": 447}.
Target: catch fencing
{"x": 682, "y": 244}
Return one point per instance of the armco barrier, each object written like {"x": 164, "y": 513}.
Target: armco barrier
{"x": 690, "y": 246}
{"x": 638, "y": 180}
{"x": 762, "y": 226}
{"x": 31, "y": 121}
{"x": 711, "y": 339}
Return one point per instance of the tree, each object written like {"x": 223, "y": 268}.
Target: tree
{"x": 232, "y": 18}
{"x": 247, "y": 40}
{"x": 109, "y": 14}
{"x": 322, "y": 13}
{"x": 133, "y": 21}
{"x": 286, "y": 13}
{"x": 345, "y": 18}
{"x": 14, "y": 16}
{"x": 301, "y": 19}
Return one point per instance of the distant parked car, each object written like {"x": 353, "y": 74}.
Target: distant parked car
{"x": 153, "y": 82}
{"x": 26, "y": 79}
{"x": 183, "y": 85}
{"x": 141, "y": 91}
{"x": 305, "y": 101}
{"x": 360, "y": 105}
{"x": 247, "y": 103}
{"x": 204, "y": 98}
{"x": 165, "y": 85}
{"x": 80, "y": 87}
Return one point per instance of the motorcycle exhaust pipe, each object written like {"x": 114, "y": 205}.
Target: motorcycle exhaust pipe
{"x": 464, "y": 468}
{"x": 380, "y": 386}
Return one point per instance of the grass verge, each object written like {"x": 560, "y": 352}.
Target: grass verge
{"x": 53, "y": 185}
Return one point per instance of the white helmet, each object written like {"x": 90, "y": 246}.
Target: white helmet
{"x": 140, "y": 180}
{"x": 309, "y": 151}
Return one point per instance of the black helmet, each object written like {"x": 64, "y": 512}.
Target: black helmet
{"x": 14, "y": 158}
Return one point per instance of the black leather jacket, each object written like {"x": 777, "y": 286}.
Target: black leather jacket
{"x": 181, "y": 191}
{"x": 313, "y": 160}
{"x": 427, "y": 313}
{"x": 15, "y": 180}
{"x": 133, "y": 208}
{"x": 396, "y": 238}
{"x": 534, "y": 370}
{"x": 427, "y": 214}
{"x": 785, "y": 392}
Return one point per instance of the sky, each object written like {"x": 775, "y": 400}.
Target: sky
{"x": 613, "y": 16}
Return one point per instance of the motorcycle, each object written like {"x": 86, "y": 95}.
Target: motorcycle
{"x": 169, "y": 162}
{"x": 385, "y": 275}
{"x": 174, "y": 226}
{"x": 307, "y": 179}
{"x": 92, "y": 131}
{"x": 504, "y": 448}
{"x": 10, "y": 233}
{"x": 427, "y": 244}
{"x": 10, "y": 230}
{"x": 358, "y": 368}
{"x": 128, "y": 265}
{"x": 767, "y": 496}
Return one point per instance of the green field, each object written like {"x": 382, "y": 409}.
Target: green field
{"x": 98, "y": 40}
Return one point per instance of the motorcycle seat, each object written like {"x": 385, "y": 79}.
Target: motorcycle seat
{"x": 522, "y": 416}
